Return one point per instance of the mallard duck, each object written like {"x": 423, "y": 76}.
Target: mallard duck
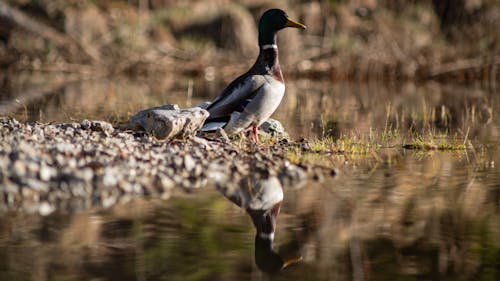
{"x": 251, "y": 98}
{"x": 261, "y": 199}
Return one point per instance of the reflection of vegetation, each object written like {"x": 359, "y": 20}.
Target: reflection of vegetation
{"x": 447, "y": 248}
{"x": 487, "y": 250}
{"x": 200, "y": 241}
{"x": 199, "y": 244}
{"x": 185, "y": 239}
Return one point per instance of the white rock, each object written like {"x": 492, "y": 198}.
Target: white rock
{"x": 189, "y": 162}
{"x": 45, "y": 209}
{"x": 168, "y": 121}
{"x": 47, "y": 172}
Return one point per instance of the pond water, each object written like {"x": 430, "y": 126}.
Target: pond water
{"x": 309, "y": 109}
{"x": 427, "y": 215}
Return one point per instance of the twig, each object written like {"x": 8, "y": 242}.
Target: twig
{"x": 30, "y": 95}
{"x": 462, "y": 65}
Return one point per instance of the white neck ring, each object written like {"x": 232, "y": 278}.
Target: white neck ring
{"x": 269, "y": 46}
{"x": 267, "y": 236}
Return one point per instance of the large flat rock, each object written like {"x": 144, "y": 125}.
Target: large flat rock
{"x": 167, "y": 122}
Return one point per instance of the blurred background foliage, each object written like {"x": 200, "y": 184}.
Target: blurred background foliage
{"x": 345, "y": 40}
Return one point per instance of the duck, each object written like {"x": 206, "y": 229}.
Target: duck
{"x": 252, "y": 98}
{"x": 262, "y": 200}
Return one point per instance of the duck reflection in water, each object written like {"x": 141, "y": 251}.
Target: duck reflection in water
{"x": 262, "y": 199}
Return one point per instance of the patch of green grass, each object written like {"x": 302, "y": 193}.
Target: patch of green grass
{"x": 332, "y": 152}
{"x": 374, "y": 145}
{"x": 436, "y": 142}
{"x": 355, "y": 143}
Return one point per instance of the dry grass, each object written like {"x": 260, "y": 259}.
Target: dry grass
{"x": 378, "y": 147}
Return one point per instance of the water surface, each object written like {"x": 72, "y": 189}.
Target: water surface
{"x": 426, "y": 215}
{"x": 310, "y": 108}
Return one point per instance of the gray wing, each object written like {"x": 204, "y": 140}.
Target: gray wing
{"x": 233, "y": 95}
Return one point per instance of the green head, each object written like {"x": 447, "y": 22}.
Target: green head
{"x": 268, "y": 260}
{"x": 271, "y": 22}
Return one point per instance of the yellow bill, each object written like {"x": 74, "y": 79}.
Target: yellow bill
{"x": 291, "y": 23}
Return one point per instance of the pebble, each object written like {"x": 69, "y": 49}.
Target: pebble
{"x": 101, "y": 126}
{"x": 189, "y": 163}
{"x": 45, "y": 209}
{"x": 85, "y": 124}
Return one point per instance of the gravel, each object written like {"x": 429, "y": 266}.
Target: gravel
{"x": 74, "y": 166}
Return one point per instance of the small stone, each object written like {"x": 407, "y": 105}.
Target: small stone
{"x": 189, "y": 162}
{"x": 74, "y": 125}
{"x": 85, "y": 124}
{"x": 69, "y": 131}
{"x": 318, "y": 176}
{"x": 201, "y": 142}
{"x": 217, "y": 174}
{"x": 108, "y": 201}
{"x": 177, "y": 161}
{"x": 19, "y": 168}
{"x": 164, "y": 183}
{"x": 46, "y": 172}
{"x": 187, "y": 184}
{"x": 86, "y": 174}
{"x": 38, "y": 132}
{"x": 109, "y": 179}
{"x": 45, "y": 208}
{"x": 304, "y": 144}
{"x": 101, "y": 126}
{"x": 274, "y": 128}
{"x": 138, "y": 188}
{"x": 293, "y": 176}
{"x": 334, "y": 172}
{"x": 64, "y": 148}
{"x": 126, "y": 187}
{"x": 50, "y": 130}
{"x": 198, "y": 171}
{"x": 165, "y": 196}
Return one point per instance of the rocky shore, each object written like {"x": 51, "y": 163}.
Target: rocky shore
{"x": 74, "y": 166}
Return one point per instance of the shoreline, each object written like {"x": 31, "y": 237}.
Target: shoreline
{"x": 75, "y": 166}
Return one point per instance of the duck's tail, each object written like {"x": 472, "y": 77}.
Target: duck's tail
{"x": 212, "y": 124}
